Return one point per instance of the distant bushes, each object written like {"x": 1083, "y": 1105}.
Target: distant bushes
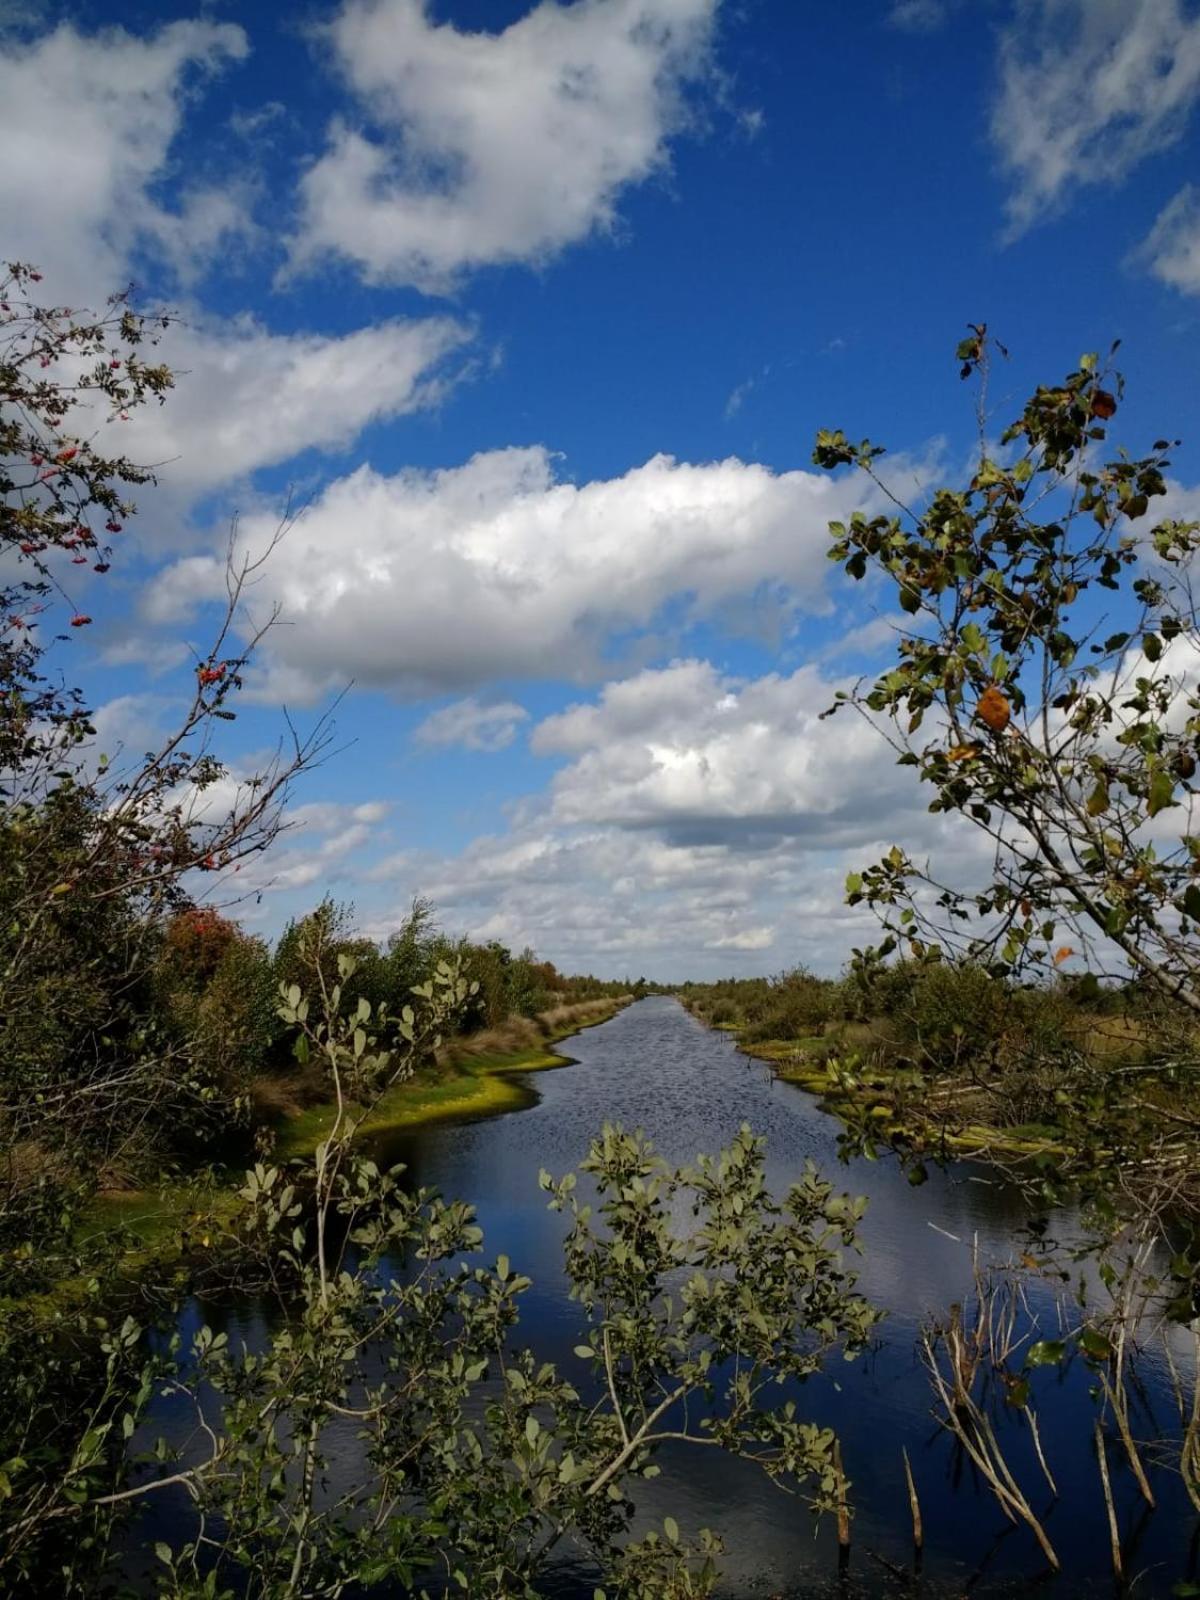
{"x": 950, "y": 1023}
{"x": 794, "y": 1005}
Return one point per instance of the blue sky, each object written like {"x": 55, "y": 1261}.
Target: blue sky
{"x": 537, "y": 309}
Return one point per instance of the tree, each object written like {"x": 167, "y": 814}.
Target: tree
{"x": 1052, "y": 651}
{"x": 1046, "y": 692}
{"x": 98, "y": 849}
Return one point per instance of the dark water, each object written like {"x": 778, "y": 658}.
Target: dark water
{"x": 655, "y": 1067}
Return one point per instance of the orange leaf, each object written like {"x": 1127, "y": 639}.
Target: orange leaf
{"x": 962, "y": 752}
{"x": 1103, "y": 405}
{"x": 994, "y": 710}
{"x": 1062, "y": 955}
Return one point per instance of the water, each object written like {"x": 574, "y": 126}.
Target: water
{"x": 653, "y": 1066}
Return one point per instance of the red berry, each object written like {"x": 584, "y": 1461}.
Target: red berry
{"x": 101, "y": 566}
{"x": 29, "y": 549}
{"x": 79, "y": 561}
{"x": 80, "y": 621}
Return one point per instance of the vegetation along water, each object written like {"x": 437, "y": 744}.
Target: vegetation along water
{"x": 291, "y": 1306}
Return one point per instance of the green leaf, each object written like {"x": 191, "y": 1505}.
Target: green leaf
{"x": 671, "y": 1529}
{"x": 1191, "y": 901}
{"x": 1045, "y": 1353}
{"x": 1098, "y": 801}
{"x": 1094, "y": 1344}
{"x": 1162, "y": 791}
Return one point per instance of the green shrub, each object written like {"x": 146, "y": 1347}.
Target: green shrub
{"x": 952, "y": 1014}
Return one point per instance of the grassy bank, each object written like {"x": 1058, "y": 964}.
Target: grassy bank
{"x": 473, "y": 1077}
{"x": 805, "y": 1062}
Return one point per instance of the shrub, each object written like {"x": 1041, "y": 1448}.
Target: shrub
{"x": 952, "y": 1014}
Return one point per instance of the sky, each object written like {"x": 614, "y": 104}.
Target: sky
{"x": 533, "y": 311}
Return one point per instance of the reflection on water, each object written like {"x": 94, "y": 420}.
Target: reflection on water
{"x": 655, "y": 1067}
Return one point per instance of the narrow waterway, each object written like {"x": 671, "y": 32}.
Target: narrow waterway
{"x": 653, "y": 1066}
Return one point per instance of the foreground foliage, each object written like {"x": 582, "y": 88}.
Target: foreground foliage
{"x": 397, "y": 1346}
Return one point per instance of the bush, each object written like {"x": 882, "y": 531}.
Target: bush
{"x": 796, "y": 1005}
{"x": 952, "y": 1014}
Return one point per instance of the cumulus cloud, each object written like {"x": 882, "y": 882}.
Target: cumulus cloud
{"x": 704, "y": 758}
{"x": 598, "y": 899}
{"x": 425, "y": 582}
{"x": 494, "y": 147}
{"x": 87, "y": 124}
{"x": 473, "y": 724}
{"x": 700, "y": 824}
{"x": 1090, "y": 88}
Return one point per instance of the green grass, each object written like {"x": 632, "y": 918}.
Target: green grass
{"x": 479, "y": 1089}
{"x": 161, "y": 1228}
{"x": 804, "y": 1063}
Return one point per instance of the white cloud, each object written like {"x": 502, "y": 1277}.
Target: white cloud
{"x": 247, "y": 398}
{"x": 433, "y": 581}
{"x": 1090, "y": 88}
{"x": 919, "y": 16}
{"x": 704, "y": 758}
{"x": 748, "y": 939}
{"x": 494, "y": 147}
{"x": 87, "y": 123}
{"x": 473, "y": 724}
{"x": 313, "y": 856}
{"x": 1172, "y": 248}
{"x": 738, "y": 396}
{"x": 700, "y": 825}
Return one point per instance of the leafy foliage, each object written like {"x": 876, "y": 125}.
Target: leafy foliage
{"x": 479, "y": 1460}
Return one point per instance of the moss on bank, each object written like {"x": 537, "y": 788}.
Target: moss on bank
{"x": 480, "y": 1089}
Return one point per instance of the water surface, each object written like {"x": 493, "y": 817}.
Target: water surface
{"x": 655, "y": 1067}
